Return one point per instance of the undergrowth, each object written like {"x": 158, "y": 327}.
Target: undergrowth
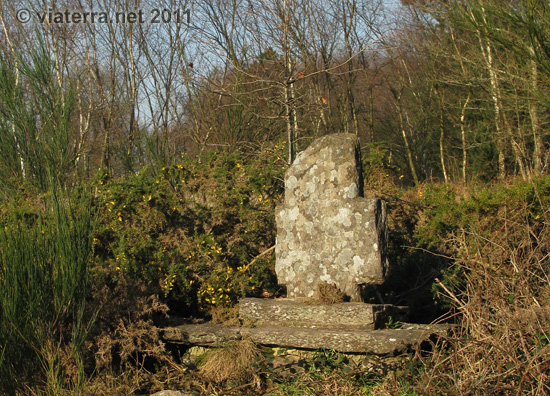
{"x": 498, "y": 287}
{"x": 87, "y": 279}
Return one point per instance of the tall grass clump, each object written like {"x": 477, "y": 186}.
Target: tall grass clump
{"x": 43, "y": 286}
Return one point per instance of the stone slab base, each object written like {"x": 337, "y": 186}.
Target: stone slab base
{"x": 306, "y": 313}
{"x": 342, "y": 340}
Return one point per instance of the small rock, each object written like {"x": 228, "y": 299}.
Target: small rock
{"x": 171, "y": 393}
{"x": 194, "y": 353}
{"x": 280, "y": 362}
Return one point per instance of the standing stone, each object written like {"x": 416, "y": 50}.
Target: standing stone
{"x": 326, "y": 230}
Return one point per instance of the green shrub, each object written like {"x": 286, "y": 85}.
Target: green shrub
{"x": 43, "y": 288}
{"x": 37, "y": 145}
{"x": 193, "y": 227}
{"x": 450, "y": 217}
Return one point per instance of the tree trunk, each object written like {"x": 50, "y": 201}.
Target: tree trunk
{"x": 463, "y": 135}
{"x": 502, "y": 125}
{"x": 534, "y": 115}
{"x": 291, "y": 121}
{"x": 442, "y": 137}
{"x": 405, "y": 138}
{"x": 16, "y": 61}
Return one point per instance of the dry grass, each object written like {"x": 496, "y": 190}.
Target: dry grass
{"x": 124, "y": 331}
{"x": 232, "y": 363}
{"x": 227, "y": 316}
{"x": 328, "y": 293}
{"x": 502, "y": 345}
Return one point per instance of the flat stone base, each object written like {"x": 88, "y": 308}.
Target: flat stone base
{"x": 307, "y": 313}
{"x": 342, "y": 340}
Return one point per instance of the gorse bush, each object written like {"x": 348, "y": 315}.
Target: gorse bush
{"x": 193, "y": 227}
{"x": 43, "y": 288}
